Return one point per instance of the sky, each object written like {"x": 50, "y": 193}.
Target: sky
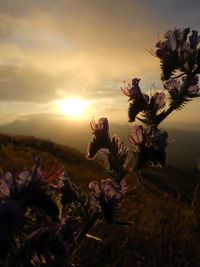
{"x": 53, "y": 50}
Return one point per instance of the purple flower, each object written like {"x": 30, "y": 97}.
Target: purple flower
{"x": 172, "y": 84}
{"x": 4, "y": 190}
{"x": 101, "y": 138}
{"x": 134, "y": 91}
{"x": 159, "y": 100}
{"x": 138, "y": 135}
{"x": 148, "y": 138}
{"x": 13, "y": 183}
{"x": 171, "y": 40}
{"x": 174, "y": 39}
{"x": 158, "y": 139}
{"x": 36, "y": 173}
{"x": 193, "y": 91}
{"x": 108, "y": 192}
{"x": 67, "y": 188}
{"x": 100, "y": 129}
{"x": 139, "y": 101}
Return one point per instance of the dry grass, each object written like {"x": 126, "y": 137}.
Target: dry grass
{"x": 166, "y": 232}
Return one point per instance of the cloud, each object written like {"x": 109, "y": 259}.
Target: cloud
{"x": 25, "y": 84}
{"x": 54, "y": 49}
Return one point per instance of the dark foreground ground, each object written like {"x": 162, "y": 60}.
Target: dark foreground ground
{"x": 164, "y": 211}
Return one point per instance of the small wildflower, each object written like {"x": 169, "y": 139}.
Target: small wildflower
{"x": 12, "y": 184}
{"x": 171, "y": 40}
{"x": 138, "y": 100}
{"x": 174, "y": 39}
{"x": 138, "y": 135}
{"x": 67, "y": 188}
{"x": 100, "y": 129}
{"x": 108, "y": 191}
{"x": 158, "y": 139}
{"x": 36, "y": 173}
{"x": 4, "y": 189}
{"x": 193, "y": 91}
{"x": 107, "y": 195}
{"x": 159, "y": 100}
{"x": 134, "y": 91}
{"x": 172, "y": 84}
{"x": 101, "y": 137}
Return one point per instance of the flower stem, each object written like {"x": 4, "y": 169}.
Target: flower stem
{"x": 87, "y": 227}
{"x": 183, "y": 94}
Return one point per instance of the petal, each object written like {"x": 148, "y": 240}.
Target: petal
{"x": 4, "y": 189}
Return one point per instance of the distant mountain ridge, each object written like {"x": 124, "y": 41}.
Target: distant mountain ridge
{"x": 182, "y": 152}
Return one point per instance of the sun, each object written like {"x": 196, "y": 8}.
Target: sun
{"x": 73, "y": 107}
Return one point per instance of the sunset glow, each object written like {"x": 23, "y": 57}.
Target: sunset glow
{"x": 73, "y": 107}
{"x": 52, "y": 51}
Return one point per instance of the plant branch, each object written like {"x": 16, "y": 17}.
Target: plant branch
{"x": 186, "y": 85}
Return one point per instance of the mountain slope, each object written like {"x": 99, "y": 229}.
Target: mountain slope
{"x": 18, "y": 152}
{"x": 161, "y": 225}
{"x": 182, "y": 152}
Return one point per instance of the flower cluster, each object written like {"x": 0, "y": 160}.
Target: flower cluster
{"x": 12, "y": 185}
{"x": 107, "y": 195}
{"x": 100, "y": 129}
{"x": 177, "y": 40}
{"x": 140, "y": 102}
{"x": 151, "y": 143}
{"x": 101, "y": 137}
{"x": 148, "y": 137}
{"x": 32, "y": 205}
{"x": 179, "y": 51}
{"x": 137, "y": 98}
{"x": 175, "y": 86}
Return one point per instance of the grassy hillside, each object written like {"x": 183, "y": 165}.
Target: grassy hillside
{"x": 165, "y": 232}
{"x": 182, "y": 152}
{"x": 18, "y": 152}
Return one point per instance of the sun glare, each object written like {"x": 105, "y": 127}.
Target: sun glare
{"x": 73, "y": 107}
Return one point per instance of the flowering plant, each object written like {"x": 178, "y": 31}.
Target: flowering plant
{"x": 44, "y": 216}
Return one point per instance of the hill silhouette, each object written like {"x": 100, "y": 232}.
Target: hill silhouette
{"x": 18, "y": 152}
{"x": 182, "y": 152}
